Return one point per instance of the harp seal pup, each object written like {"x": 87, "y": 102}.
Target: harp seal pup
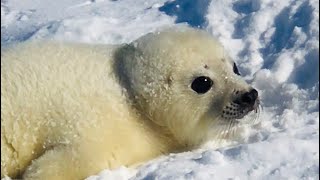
{"x": 70, "y": 110}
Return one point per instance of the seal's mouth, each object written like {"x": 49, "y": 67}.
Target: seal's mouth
{"x": 236, "y": 111}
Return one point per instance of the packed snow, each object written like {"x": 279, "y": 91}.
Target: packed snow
{"x": 275, "y": 44}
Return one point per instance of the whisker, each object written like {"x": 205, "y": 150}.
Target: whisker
{"x": 230, "y": 128}
{"x": 224, "y": 131}
{"x": 257, "y": 115}
{"x": 233, "y": 129}
{"x": 220, "y": 130}
{"x": 221, "y": 134}
{"x": 259, "y": 112}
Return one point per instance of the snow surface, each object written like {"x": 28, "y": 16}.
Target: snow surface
{"x": 275, "y": 43}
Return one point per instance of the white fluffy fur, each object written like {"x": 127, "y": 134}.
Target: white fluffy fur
{"x": 71, "y": 110}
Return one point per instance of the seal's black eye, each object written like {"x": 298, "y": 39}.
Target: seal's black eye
{"x": 201, "y": 84}
{"x": 235, "y": 69}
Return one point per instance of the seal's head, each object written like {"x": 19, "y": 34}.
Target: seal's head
{"x": 182, "y": 79}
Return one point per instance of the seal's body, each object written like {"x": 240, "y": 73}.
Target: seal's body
{"x": 71, "y": 110}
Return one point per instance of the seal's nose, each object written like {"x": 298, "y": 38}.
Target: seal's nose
{"x": 248, "y": 98}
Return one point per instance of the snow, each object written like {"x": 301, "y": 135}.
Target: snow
{"x": 275, "y": 43}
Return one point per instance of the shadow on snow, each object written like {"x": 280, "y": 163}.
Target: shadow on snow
{"x": 190, "y": 11}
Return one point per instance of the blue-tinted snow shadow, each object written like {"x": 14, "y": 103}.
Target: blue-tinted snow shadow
{"x": 190, "y": 11}
{"x": 246, "y": 7}
{"x": 21, "y": 32}
{"x": 307, "y": 75}
{"x": 16, "y": 34}
{"x": 282, "y": 37}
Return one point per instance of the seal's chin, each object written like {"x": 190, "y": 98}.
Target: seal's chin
{"x": 234, "y": 116}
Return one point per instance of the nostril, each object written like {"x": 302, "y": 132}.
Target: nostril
{"x": 250, "y": 97}
{"x": 247, "y": 98}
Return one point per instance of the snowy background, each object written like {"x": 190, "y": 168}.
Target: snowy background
{"x": 274, "y": 42}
